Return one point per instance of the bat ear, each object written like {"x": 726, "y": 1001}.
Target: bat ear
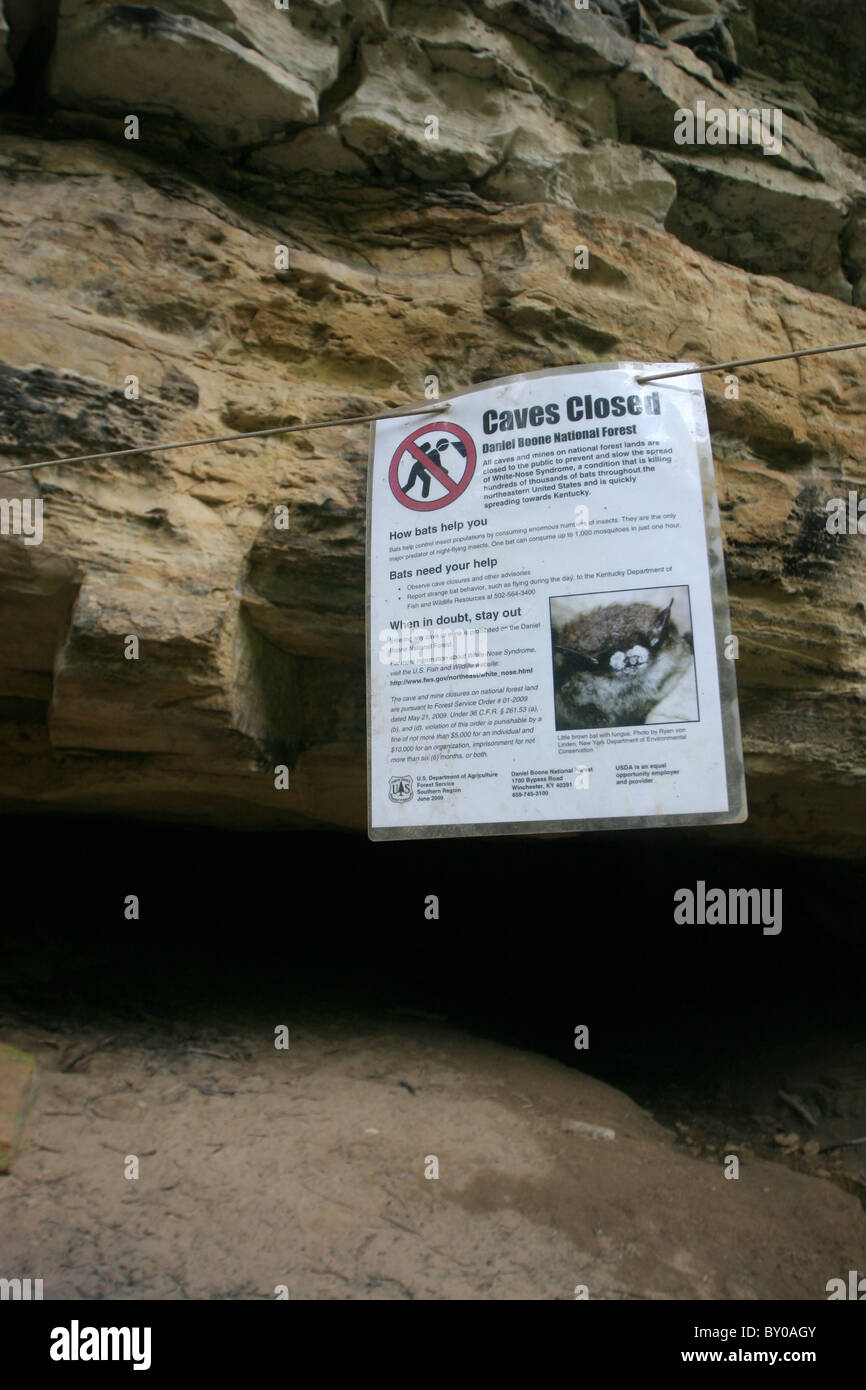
{"x": 660, "y": 626}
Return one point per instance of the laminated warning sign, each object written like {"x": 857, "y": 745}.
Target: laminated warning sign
{"x": 548, "y": 638}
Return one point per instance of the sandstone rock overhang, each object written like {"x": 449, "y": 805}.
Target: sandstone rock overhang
{"x": 409, "y": 257}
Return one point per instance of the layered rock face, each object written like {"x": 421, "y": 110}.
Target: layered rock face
{"x": 429, "y": 171}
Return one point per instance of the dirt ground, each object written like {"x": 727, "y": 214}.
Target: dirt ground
{"x": 305, "y": 1168}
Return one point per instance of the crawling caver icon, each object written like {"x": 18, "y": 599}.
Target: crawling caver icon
{"x": 432, "y": 467}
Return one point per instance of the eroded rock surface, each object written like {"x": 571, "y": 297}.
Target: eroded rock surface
{"x": 409, "y": 256}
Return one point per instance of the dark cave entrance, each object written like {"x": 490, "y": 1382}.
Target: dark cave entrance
{"x": 534, "y": 939}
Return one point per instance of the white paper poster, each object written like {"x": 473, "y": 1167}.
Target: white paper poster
{"x": 547, "y": 625}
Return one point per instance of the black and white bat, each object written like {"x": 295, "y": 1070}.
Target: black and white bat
{"x": 614, "y": 663}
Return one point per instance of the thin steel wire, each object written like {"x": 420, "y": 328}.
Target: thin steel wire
{"x": 750, "y": 361}
{"x": 437, "y": 407}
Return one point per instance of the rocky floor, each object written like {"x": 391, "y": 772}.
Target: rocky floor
{"x": 306, "y": 1171}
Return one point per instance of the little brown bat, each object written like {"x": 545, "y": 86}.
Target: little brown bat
{"x": 614, "y": 663}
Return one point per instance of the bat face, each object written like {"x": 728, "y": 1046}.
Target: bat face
{"x": 612, "y": 664}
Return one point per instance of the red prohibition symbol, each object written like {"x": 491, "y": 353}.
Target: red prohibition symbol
{"x": 425, "y": 447}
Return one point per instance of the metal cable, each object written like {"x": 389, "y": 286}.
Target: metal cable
{"x": 398, "y": 413}
{"x": 750, "y": 361}
{"x": 224, "y": 438}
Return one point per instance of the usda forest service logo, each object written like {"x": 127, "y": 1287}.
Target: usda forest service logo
{"x": 400, "y": 789}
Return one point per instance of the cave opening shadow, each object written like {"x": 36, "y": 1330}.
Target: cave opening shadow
{"x": 524, "y": 941}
